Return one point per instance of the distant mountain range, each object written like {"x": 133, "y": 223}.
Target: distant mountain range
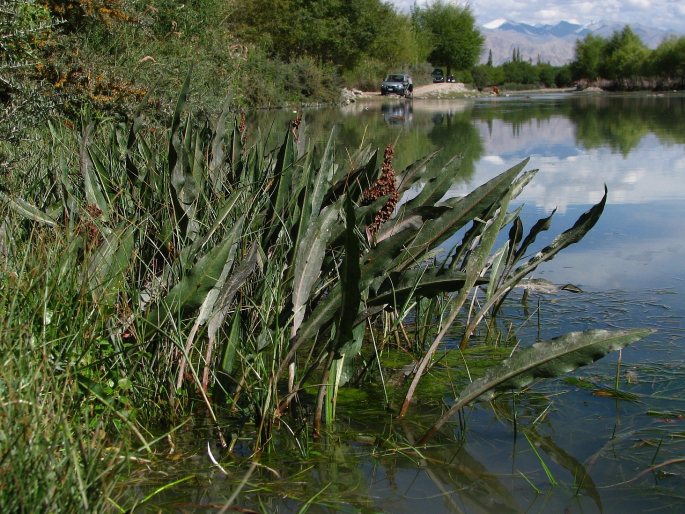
{"x": 554, "y": 44}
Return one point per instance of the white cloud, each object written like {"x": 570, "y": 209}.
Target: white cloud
{"x": 662, "y": 13}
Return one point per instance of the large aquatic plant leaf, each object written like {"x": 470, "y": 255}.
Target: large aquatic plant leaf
{"x": 182, "y": 191}
{"x": 108, "y": 264}
{"x": 542, "y": 360}
{"x": 191, "y": 291}
{"x": 414, "y": 172}
{"x": 218, "y": 149}
{"x": 462, "y": 211}
{"x": 475, "y": 263}
{"x": 574, "y": 234}
{"x": 373, "y": 264}
{"x": 28, "y": 210}
{"x": 435, "y": 187}
{"x": 324, "y": 176}
{"x": 308, "y": 261}
{"x": 91, "y": 182}
{"x": 413, "y": 219}
{"x": 418, "y": 282}
{"x": 350, "y": 282}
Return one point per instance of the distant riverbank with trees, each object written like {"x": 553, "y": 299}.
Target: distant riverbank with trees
{"x": 117, "y": 56}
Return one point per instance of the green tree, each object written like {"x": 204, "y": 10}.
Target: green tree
{"x": 668, "y": 60}
{"x": 455, "y": 42}
{"x": 547, "y": 74}
{"x": 624, "y": 55}
{"x": 588, "y": 56}
{"x": 339, "y": 32}
{"x": 564, "y": 76}
{"x": 520, "y": 72}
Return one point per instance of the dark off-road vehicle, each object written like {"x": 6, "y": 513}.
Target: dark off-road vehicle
{"x": 437, "y": 75}
{"x": 397, "y": 84}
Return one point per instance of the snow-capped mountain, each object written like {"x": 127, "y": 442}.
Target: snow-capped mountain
{"x": 550, "y": 43}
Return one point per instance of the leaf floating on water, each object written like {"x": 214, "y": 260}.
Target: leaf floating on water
{"x": 542, "y": 360}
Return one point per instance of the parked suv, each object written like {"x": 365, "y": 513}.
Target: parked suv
{"x": 398, "y": 84}
{"x": 437, "y": 75}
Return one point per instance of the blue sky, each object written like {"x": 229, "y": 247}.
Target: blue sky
{"x": 666, "y": 14}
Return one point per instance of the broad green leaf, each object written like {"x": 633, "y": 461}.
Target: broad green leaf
{"x": 218, "y": 151}
{"x": 132, "y": 172}
{"x": 495, "y": 271}
{"x": 417, "y": 282}
{"x": 235, "y": 157}
{"x": 100, "y": 172}
{"x": 374, "y": 264}
{"x": 283, "y": 171}
{"x": 350, "y": 282}
{"x": 190, "y": 292}
{"x": 177, "y": 167}
{"x": 108, "y": 264}
{"x": 462, "y": 212}
{"x": 185, "y": 188}
{"x": 383, "y": 257}
{"x": 308, "y": 261}
{"x": 363, "y": 172}
{"x": 92, "y": 186}
{"x": 414, "y": 172}
{"x": 581, "y": 227}
{"x": 231, "y": 345}
{"x": 542, "y": 360}
{"x": 28, "y": 210}
{"x": 232, "y": 285}
{"x": 540, "y": 226}
{"x": 475, "y": 263}
{"x": 434, "y": 188}
{"x": 322, "y": 179}
{"x": 209, "y": 303}
{"x": 414, "y": 219}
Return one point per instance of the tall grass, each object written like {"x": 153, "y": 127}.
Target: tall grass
{"x": 58, "y": 441}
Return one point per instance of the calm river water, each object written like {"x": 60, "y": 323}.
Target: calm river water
{"x": 576, "y": 446}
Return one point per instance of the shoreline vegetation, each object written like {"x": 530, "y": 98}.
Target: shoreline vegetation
{"x": 159, "y": 260}
{"x": 149, "y": 277}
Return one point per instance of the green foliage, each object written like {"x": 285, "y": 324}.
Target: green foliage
{"x": 450, "y": 31}
{"x": 625, "y": 59}
{"x": 329, "y": 31}
{"x": 588, "y": 57}
{"x": 668, "y": 60}
{"x": 210, "y": 263}
{"x": 26, "y": 27}
{"x": 520, "y": 72}
{"x": 541, "y": 360}
{"x": 547, "y": 74}
{"x": 623, "y": 55}
{"x": 564, "y": 76}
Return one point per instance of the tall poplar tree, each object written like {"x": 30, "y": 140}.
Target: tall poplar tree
{"x": 455, "y": 42}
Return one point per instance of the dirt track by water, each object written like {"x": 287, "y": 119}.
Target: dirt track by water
{"x": 457, "y": 89}
{"x": 433, "y": 90}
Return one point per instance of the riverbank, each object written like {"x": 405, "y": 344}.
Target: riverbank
{"x": 449, "y": 91}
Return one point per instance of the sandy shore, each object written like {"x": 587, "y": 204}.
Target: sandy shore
{"x": 459, "y": 90}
